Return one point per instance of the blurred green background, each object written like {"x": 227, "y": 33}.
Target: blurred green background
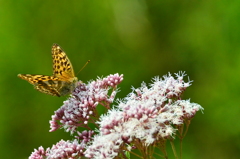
{"x": 137, "y": 38}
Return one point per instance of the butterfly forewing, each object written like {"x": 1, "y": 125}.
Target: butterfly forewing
{"x": 33, "y": 79}
{"x": 62, "y": 67}
{"x": 63, "y": 80}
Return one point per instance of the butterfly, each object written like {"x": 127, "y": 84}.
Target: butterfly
{"x": 63, "y": 80}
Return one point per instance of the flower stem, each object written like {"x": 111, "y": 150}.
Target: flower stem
{"x": 136, "y": 154}
{"x": 174, "y": 150}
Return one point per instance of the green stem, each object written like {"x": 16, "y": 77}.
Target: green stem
{"x": 174, "y": 150}
{"x": 136, "y": 154}
{"x": 181, "y": 148}
{"x": 187, "y": 126}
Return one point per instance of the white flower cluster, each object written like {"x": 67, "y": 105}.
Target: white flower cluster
{"x": 146, "y": 114}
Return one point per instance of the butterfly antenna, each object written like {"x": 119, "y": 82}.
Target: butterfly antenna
{"x": 84, "y": 66}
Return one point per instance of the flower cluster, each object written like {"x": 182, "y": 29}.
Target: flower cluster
{"x": 148, "y": 116}
{"x": 39, "y": 153}
{"x": 144, "y": 116}
{"x": 80, "y": 109}
{"x": 65, "y": 149}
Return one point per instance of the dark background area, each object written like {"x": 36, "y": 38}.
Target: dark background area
{"x": 137, "y": 38}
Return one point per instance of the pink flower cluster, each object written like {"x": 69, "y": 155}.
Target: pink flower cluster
{"x": 39, "y": 153}
{"x": 78, "y": 110}
{"x": 65, "y": 149}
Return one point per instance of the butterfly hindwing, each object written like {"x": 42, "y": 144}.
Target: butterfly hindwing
{"x": 45, "y": 84}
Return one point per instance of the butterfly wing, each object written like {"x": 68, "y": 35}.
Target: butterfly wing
{"x": 62, "y": 67}
{"x": 45, "y": 84}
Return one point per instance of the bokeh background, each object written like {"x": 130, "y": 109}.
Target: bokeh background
{"x": 138, "y": 38}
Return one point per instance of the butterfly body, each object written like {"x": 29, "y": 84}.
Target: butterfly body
{"x": 63, "y": 80}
